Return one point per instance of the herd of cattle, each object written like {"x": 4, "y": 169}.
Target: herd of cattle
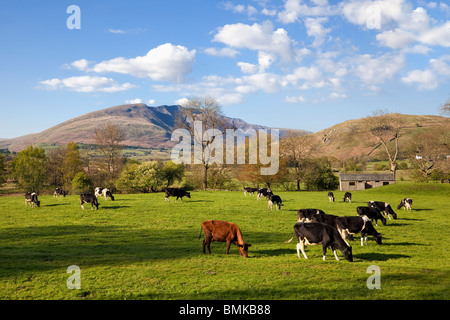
{"x": 313, "y": 226}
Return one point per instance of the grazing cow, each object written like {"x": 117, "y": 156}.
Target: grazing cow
{"x": 353, "y": 225}
{"x": 103, "y": 192}
{"x": 274, "y": 200}
{"x": 406, "y": 203}
{"x": 372, "y": 213}
{"x": 331, "y": 196}
{"x": 89, "y": 198}
{"x": 249, "y": 190}
{"x": 383, "y": 207}
{"x": 176, "y": 192}
{"x": 348, "y": 196}
{"x": 315, "y": 233}
{"x": 305, "y": 215}
{"x": 263, "y": 192}
{"x": 59, "y": 192}
{"x": 223, "y": 231}
{"x": 32, "y": 199}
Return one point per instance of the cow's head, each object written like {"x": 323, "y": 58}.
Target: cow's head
{"x": 243, "y": 249}
{"x": 38, "y": 203}
{"x": 394, "y": 215}
{"x": 348, "y": 254}
{"x": 188, "y": 194}
{"x": 378, "y": 238}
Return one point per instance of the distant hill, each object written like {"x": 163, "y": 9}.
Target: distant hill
{"x": 349, "y": 139}
{"x": 146, "y": 127}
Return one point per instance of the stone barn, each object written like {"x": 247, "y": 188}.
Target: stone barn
{"x": 356, "y": 182}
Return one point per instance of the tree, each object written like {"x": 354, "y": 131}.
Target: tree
{"x": 384, "y": 129}
{"x": 296, "y": 149}
{"x": 318, "y": 175}
{"x": 72, "y": 163}
{"x": 30, "y": 168}
{"x": 428, "y": 151}
{"x": 445, "y": 108}
{"x": 108, "y": 139}
{"x": 203, "y": 118}
{"x": 145, "y": 177}
{"x": 82, "y": 183}
{"x": 173, "y": 172}
{"x": 2, "y": 170}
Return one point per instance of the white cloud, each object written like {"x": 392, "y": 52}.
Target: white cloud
{"x": 294, "y": 9}
{"x": 151, "y": 101}
{"x": 182, "y": 101}
{"x": 376, "y": 70}
{"x": 240, "y": 8}
{"x": 260, "y": 37}
{"x": 425, "y": 79}
{"x": 361, "y": 12}
{"x": 437, "y": 36}
{"x": 117, "y": 31}
{"x": 87, "y": 84}
{"x": 223, "y": 52}
{"x": 248, "y": 67}
{"x": 167, "y": 62}
{"x": 81, "y": 64}
{"x": 298, "y": 99}
{"x": 315, "y": 29}
{"x": 133, "y": 101}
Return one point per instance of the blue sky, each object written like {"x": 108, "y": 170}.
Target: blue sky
{"x": 305, "y": 64}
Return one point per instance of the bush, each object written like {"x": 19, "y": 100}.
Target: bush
{"x": 82, "y": 183}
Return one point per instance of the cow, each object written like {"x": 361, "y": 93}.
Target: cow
{"x": 315, "y": 233}
{"x": 176, "y": 192}
{"x": 59, "y": 192}
{"x": 328, "y": 219}
{"x": 274, "y": 200}
{"x": 223, "y": 231}
{"x": 331, "y": 196}
{"x": 348, "y": 196}
{"x": 305, "y": 215}
{"x": 383, "y": 207}
{"x": 353, "y": 225}
{"x": 103, "y": 192}
{"x": 372, "y": 213}
{"x": 89, "y": 198}
{"x": 406, "y": 203}
{"x": 263, "y": 192}
{"x": 32, "y": 199}
{"x": 249, "y": 190}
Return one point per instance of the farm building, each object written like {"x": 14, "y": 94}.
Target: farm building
{"x": 355, "y": 182}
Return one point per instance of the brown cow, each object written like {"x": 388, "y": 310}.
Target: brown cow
{"x": 222, "y": 231}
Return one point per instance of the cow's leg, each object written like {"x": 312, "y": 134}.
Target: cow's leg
{"x": 335, "y": 255}
{"x": 228, "y": 246}
{"x": 344, "y": 233}
{"x": 301, "y": 247}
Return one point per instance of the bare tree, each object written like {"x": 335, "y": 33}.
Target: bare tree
{"x": 384, "y": 129}
{"x": 203, "y": 118}
{"x": 108, "y": 139}
{"x": 296, "y": 148}
{"x": 445, "y": 108}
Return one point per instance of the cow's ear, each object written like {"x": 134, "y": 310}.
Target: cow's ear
{"x": 249, "y": 245}
{"x": 240, "y": 245}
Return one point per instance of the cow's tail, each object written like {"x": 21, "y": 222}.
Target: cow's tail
{"x": 289, "y": 241}
{"x": 200, "y": 235}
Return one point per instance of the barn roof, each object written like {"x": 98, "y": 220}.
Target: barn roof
{"x": 367, "y": 177}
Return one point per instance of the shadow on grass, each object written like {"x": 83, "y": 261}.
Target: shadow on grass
{"x": 373, "y": 256}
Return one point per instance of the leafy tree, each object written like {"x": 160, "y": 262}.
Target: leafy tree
{"x": 145, "y": 177}
{"x": 30, "y": 168}
{"x": 72, "y": 163}
{"x": 2, "y": 169}
{"x": 82, "y": 183}
{"x": 173, "y": 172}
{"x": 318, "y": 175}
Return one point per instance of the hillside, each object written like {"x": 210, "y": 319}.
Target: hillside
{"x": 350, "y": 139}
{"x": 144, "y": 126}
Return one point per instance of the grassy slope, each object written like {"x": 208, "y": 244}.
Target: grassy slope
{"x": 140, "y": 247}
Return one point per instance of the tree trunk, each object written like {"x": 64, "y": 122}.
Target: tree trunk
{"x": 205, "y": 177}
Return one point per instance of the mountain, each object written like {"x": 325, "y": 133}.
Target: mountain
{"x": 144, "y": 126}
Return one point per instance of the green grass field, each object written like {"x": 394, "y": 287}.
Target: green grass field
{"x": 141, "y": 247}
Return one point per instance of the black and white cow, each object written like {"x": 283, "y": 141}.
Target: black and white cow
{"x": 306, "y": 215}
{"x": 103, "y": 192}
{"x": 372, "y": 213}
{"x": 263, "y": 192}
{"x": 59, "y": 192}
{"x": 406, "y": 203}
{"x": 354, "y": 225}
{"x": 32, "y": 199}
{"x": 384, "y": 207}
{"x": 89, "y": 198}
{"x": 348, "y": 196}
{"x": 176, "y": 192}
{"x": 315, "y": 233}
{"x": 331, "y": 196}
{"x": 274, "y": 200}
{"x": 249, "y": 190}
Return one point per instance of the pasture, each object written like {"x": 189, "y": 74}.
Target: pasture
{"x": 141, "y": 247}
